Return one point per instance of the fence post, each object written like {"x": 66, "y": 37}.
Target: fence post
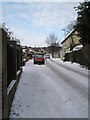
{"x": 19, "y": 64}
{"x": 13, "y": 43}
{"x": 0, "y": 73}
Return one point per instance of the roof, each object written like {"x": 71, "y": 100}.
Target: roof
{"x": 2, "y": 26}
{"x": 68, "y": 36}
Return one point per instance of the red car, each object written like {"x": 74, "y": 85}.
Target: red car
{"x": 39, "y": 58}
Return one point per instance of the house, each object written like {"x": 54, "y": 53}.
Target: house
{"x": 70, "y": 41}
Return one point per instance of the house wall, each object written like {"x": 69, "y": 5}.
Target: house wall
{"x": 56, "y": 55}
{"x": 61, "y": 54}
{"x": 76, "y": 39}
{"x": 69, "y": 43}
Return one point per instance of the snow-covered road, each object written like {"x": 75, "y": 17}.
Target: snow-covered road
{"x": 53, "y": 90}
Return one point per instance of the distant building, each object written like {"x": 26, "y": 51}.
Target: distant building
{"x": 39, "y": 49}
{"x": 54, "y": 50}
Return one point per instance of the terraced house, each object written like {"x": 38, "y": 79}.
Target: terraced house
{"x": 70, "y": 41}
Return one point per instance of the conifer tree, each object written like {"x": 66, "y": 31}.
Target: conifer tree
{"x": 83, "y": 22}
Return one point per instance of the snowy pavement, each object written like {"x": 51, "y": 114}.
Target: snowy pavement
{"x": 53, "y": 90}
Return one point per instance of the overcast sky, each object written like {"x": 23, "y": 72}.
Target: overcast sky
{"x": 32, "y": 22}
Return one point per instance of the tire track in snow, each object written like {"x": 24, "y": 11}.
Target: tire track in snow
{"x": 71, "y": 69}
{"x": 63, "y": 73}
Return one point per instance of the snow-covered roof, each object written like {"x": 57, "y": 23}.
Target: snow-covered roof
{"x": 32, "y": 50}
{"x": 77, "y": 48}
{"x": 67, "y": 36}
{"x": 23, "y": 50}
{"x": 3, "y": 27}
{"x": 10, "y": 86}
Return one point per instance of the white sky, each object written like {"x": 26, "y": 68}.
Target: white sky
{"x": 42, "y": 0}
{"x": 32, "y": 22}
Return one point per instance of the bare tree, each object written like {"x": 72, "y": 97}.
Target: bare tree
{"x": 52, "y": 39}
{"x": 52, "y": 43}
{"x": 70, "y": 27}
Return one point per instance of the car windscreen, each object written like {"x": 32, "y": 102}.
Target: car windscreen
{"x": 39, "y": 56}
{"x": 47, "y": 55}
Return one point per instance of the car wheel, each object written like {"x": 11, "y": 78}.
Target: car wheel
{"x": 43, "y": 63}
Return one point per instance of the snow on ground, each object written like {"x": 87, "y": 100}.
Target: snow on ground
{"x": 70, "y": 64}
{"x": 53, "y": 90}
{"x": 10, "y": 86}
{"x": 76, "y": 67}
{"x": 78, "y": 47}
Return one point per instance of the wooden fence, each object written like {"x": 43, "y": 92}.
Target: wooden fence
{"x": 11, "y": 71}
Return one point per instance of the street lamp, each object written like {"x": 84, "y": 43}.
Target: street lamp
{"x": 64, "y": 32}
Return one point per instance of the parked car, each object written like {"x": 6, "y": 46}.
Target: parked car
{"x": 47, "y": 55}
{"x": 39, "y": 58}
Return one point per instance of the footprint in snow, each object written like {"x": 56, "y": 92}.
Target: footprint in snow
{"x": 68, "y": 100}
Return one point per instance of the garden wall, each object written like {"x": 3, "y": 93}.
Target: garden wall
{"x": 81, "y": 56}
